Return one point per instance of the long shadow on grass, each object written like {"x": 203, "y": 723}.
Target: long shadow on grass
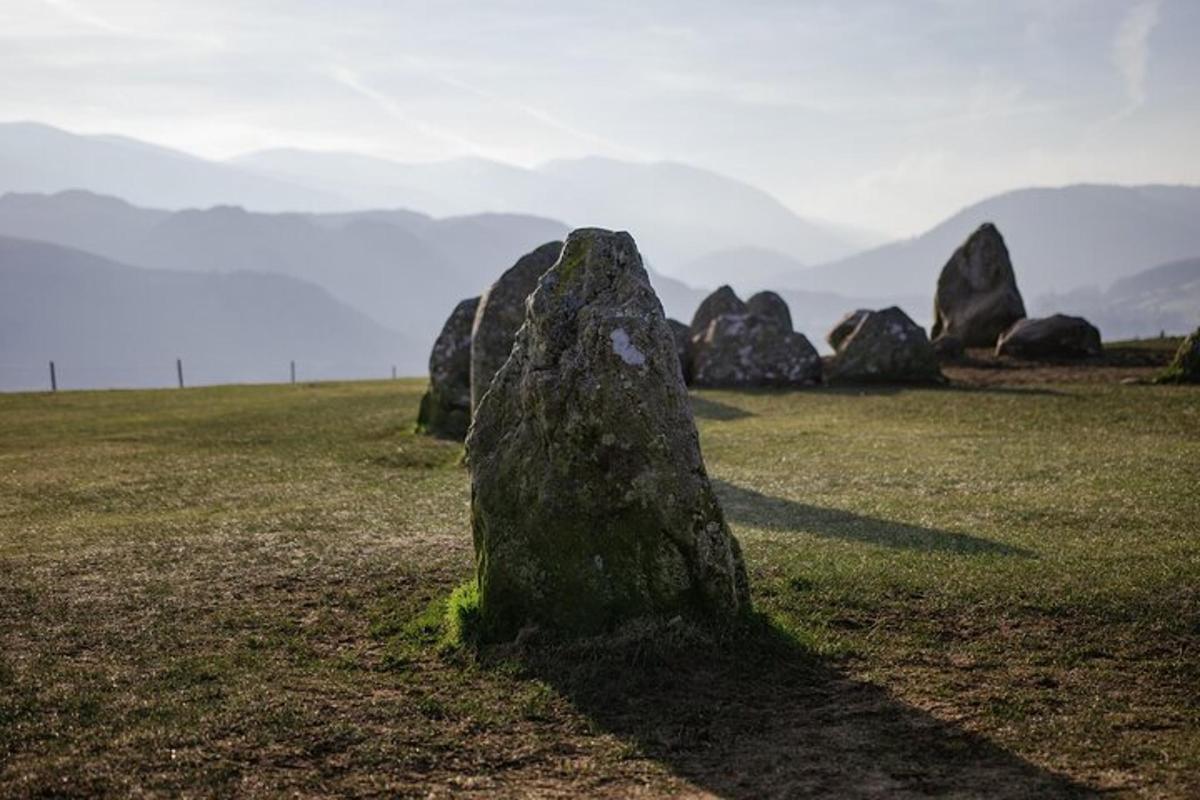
{"x": 755, "y": 714}
{"x": 776, "y": 513}
{"x": 706, "y": 408}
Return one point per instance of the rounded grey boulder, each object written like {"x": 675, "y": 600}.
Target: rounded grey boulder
{"x": 885, "y": 347}
{"x": 845, "y": 326}
{"x": 1057, "y": 336}
{"x": 977, "y": 297}
{"x": 771, "y": 306}
{"x": 446, "y": 406}
{"x": 752, "y": 350}
{"x": 590, "y": 503}
{"x": 501, "y": 311}
{"x": 723, "y": 301}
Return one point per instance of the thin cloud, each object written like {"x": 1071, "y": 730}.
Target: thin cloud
{"x": 81, "y": 16}
{"x": 349, "y": 79}
{"x": 1131, "y": 50}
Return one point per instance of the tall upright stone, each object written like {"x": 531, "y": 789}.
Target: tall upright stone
{"x": 1185, "y": 367}
{"x": 977, "y": 297}
{"x": 446, "y": 406}
{"x": 683, "y": 346}
{"x": 723, "y": 301}
{"x": 771, "y": 306}
{"x": 590, "y": 503}
{"x": 501, "y": 311}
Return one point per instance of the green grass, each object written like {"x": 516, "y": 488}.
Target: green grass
{"x": 251, "y": 590}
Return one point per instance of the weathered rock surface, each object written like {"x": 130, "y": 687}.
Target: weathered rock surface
{"x": 1057, "y": 336}
{"x": 885, "y": 347}
{"x": 1185, "y": 367}
{"x": 977, "y": 297}
{"x": 771, "y": 306}
{"x": 723, "y": 301}
{"x": 501, "y": 311}
{"x": 446, "y": 406}
{"x": 845, "y": 326}
{"x": 683, "y": 346}
{"x": 752, "y": 350}
{"x": 589, "y": 499}
{"x": 949, "y": 348}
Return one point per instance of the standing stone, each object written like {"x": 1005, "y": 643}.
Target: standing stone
{"x": 683, "y": 346}
{"x": 771, "y": 306}
{"x": 1057, "y": 336}
{"x": 590, "y": 503}
{"x": 501, "y": 311}
{"x": 845, "y": 327}
{"x": 1185, "y": 368}
{"x": 977, "y": 297}
{"x": 722, "y": 301}
{"x": 446, "y": 406}
{"x": 752, "y": 350}
{"x": 886, "y": 347}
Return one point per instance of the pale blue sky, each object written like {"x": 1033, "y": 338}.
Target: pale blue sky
{"x": 888, "y": 115}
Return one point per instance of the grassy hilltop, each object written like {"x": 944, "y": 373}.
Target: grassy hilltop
{"x": 239, "y": 590}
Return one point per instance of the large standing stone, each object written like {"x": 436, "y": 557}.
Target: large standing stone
{"x": 501, "y": 311}
{"x": 446, "y": 406}
{"x": 845, "y": 326}
{"x": 723, "y": 301}
{"x": 885, "y": 347}
{"x": 977, "y": 297}
{"x": 751, "y": 350}
{"x": 771, "y": 306}
{"x": 1185, "y": 368}
{"x": 1057, "y": 336}
{"x": 589, "y": 499}
{"x": 683, "y": 346}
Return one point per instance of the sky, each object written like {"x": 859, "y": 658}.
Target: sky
{"x": 885, "y": 115}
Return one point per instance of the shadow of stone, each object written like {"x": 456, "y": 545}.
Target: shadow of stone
{"x": 706, "y": 408}
{"x": 776, "y": 513}
{"x": 754, "y": 714}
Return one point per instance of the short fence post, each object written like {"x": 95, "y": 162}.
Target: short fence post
{"x": 393, "y": 372}
{"x": 53, "y": 378}
{"x": 293, "y": 372}
{"x": 179, "y": 371}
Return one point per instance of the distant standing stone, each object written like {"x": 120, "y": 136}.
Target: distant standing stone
{"x": 752, "y": 350}
{"x": 845, "y": 327}
{"x": 885, "y": 347}
{"x": 1185, "y": 368}
{"x": 501, "y": 311}
{"x": 683, "y": 346}
{"x": 1057, "y": 336}
{"x": 590, "y": 503}
{"x": 723, "y": 301}
{"x": 771, "y": 306}
{"x": 446, "y": 406}
{"x": 977, "y": 297}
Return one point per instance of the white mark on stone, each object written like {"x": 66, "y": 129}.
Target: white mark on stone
{"x": 599, "y": 563}
{"x": 625, "y": 349}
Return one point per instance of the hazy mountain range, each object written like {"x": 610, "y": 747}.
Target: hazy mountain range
{"x": 110, "y": 324}
{"x": 375, "y": 284}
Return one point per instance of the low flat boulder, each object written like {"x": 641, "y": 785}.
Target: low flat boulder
{"x": 723, "y": 301}
{"x": 977, "y": 297}
{"x": 446, "y": 406}
{"x": 1057, "y": 336}
{"x": 1185, "y": 367}
{"x": 501, "y": 311}
{"x": 683, "y": 346}
{"x": 752, "y": 350}
{"x": 885, "y": 347}
{"x": 771, "y": 306}
{"x": 845, "y": 326}
{"x": 949, "y": 348}
{"x": 590, "y": 504}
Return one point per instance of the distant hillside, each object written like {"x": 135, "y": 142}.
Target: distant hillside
{"x": 746, "y": 269}
{"x": 106, "y": 324}
{"x": 40, "y": 158}
{"x": 1060, "y": 240}
{"x": 1165, "y": 298}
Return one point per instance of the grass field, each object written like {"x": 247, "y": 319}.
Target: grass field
{"x": 966, "y": 592}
